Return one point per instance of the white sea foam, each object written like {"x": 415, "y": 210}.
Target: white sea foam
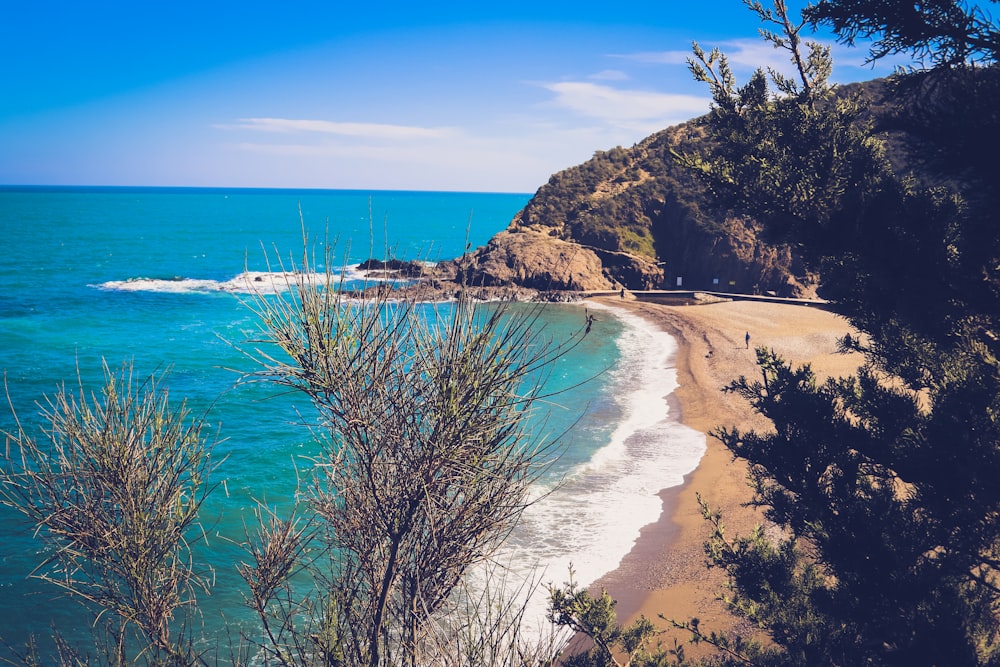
{"x": 244, "y": 283}
{"x": 593, "y": 519}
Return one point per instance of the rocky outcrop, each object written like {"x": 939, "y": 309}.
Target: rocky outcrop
{"x": 393, "y": 267}
{"x": 534, "y": 260}
{"x": 635, "y": 217}
{"x": 632, "y": 271}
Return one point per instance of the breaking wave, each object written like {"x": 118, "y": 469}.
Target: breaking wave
{"x": 266, "y": 282}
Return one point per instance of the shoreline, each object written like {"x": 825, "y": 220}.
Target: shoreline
{"x": 665, "y": 572}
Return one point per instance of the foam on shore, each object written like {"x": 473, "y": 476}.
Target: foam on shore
{"x": 592, "y": 520}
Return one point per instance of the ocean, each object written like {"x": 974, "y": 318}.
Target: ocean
{"x": 150, "y": 276}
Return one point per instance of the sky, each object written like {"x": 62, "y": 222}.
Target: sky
{"x": 476, "y": 97}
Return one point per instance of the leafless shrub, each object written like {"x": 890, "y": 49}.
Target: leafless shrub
{"x": 429, "y": 459}
{"x": 113, "y": 486}
{"x": 279, "y": 550}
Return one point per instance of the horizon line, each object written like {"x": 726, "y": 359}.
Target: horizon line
{"x": 11, "y": 187}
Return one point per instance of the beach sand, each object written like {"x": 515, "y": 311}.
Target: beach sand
{"x": 665, "y": 573}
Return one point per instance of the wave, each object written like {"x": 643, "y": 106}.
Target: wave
{"x": 593, "y": 517}
{"x": 266, "y": 282}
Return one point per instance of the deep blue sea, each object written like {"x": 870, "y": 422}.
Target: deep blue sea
{"x": 150, "y": 276}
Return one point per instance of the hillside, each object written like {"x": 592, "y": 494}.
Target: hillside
{"x": 633, "y": 217}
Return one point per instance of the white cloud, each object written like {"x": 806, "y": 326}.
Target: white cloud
{"x": 364, "y": 130}
{"x": 750, "y": 54}
{"x": 742, "y": 54}
{"x": 851, "y": 61}
{"x": 517, "y": 149}
{"x": 626, "y": 108}
{"x": 400, "y": 154}
{"x": 746, "y": 55}
{"x": 490, "y": 163}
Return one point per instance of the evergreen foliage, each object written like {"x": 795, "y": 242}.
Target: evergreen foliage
{"x": 882, "y": 485}
{"x": 614, "y": 645}
{"x": 941, "y": 32}
{"x": 884, "y": 543}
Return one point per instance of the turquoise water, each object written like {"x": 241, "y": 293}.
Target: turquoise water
{"x": 148, "y": 276}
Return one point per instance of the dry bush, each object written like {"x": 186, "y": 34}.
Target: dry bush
{"x": 428, "y": 459}
{"x": 113, "y": 486}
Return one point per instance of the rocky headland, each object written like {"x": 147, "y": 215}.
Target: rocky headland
{"x": 633, "y": 218}
{"x": 627, "y": 218}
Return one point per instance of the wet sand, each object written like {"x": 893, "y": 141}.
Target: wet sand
{"x": 665, "y": 573}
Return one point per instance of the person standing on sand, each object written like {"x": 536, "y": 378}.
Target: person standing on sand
{"x": 748, "y": 340}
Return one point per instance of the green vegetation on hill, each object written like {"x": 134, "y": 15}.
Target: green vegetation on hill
{"x": 617, "y": 200}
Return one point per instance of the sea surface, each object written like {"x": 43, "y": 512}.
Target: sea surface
{"x": 151, "y": 276}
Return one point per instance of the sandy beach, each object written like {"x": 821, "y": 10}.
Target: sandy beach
{"x": 665, "y": 573}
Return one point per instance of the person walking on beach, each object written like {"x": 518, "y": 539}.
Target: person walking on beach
{"x": 748, "y": 340}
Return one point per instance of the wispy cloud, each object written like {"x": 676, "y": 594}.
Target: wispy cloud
{"x": 358, "y": 130}
{"x": 626, "y": 108}
{"x": 741, "y": 53}
{"x": 514, "y": 163}
{"x": 750, "y": 54}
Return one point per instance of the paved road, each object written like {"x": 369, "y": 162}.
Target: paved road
{"x": 654, "y": 295}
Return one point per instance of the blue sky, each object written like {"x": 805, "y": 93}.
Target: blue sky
{"x": 465, "y": 96}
